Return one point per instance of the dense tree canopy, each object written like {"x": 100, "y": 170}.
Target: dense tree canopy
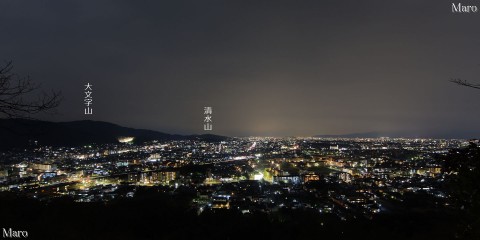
{"x": 462, "y": 167}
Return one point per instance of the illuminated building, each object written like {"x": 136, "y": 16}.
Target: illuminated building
{"x": 310, "y": 177}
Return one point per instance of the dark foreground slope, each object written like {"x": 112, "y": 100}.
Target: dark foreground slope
{"x": 161, "y": 216}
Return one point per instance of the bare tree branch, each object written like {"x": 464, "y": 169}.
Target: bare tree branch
{"x": 465, "y": 83}
{"x": 16, "y": 100}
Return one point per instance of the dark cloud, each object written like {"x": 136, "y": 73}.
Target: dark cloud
{"x": 266, "y": 67}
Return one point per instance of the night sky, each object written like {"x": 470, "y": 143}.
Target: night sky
{"x": 268, "y": 68}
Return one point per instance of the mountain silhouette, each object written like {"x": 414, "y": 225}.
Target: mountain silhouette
{"x": 19, "y": 133}
{"x": 355, "y": 135}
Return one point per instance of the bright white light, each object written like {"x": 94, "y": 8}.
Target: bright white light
{"x": 125, "y": 139}
{"x": 258, "y": 176}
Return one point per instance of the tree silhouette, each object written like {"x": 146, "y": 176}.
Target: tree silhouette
{"x": 462, "y": 169}
{"x": 16, "y": 100}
